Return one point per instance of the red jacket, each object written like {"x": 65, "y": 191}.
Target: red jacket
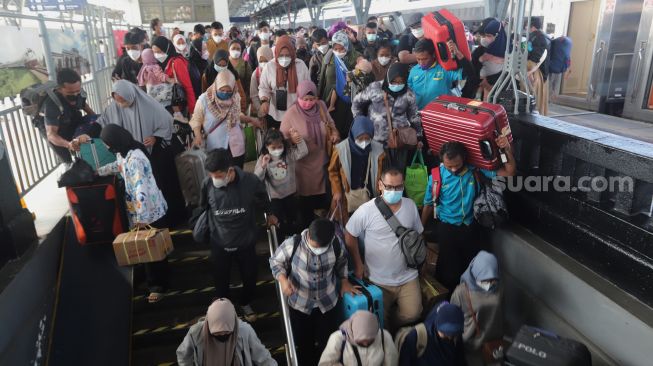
{"x": 183, "y": 78}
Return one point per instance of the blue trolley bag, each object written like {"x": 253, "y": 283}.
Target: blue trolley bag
{"x": 371, "y": 299}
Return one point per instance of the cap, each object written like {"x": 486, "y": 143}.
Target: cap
{"x": 484, "y": 23}
{"x": 450, "y": 320}
{"x": 415, "y": 18}
{"x": 221, "y": 316}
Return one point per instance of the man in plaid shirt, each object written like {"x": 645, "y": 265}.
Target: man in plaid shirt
{"x": 308, "y": 278}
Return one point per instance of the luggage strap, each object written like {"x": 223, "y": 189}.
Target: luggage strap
{"x": 444, "y": 21}
{"x": 297, "y": 240}
{"x": 389, "y": 216}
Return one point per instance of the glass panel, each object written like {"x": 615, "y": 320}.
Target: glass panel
{"x": 149, "y": 12}
{"x": 177, "y": 11}
{"x": 204, "y": 13}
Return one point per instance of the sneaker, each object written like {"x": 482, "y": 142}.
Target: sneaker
{"x": 179, "y": 117}
{"x": 248, "y": 313}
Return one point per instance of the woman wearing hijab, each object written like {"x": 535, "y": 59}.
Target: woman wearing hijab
{"x": 179, "y": 41}
{"x": 302, "y": 49}
{"x": 217, "y": 118}
{"x": 340, "y": 60}
{"x": 175, "y": 66}
{"x": 359, "y": 338}
{"x": 308, "y": 116}
{"x": 402, "y": 104}
{"x": 356, "y": 163}
{"x": 480, "y": 298}
{"x": 222, "y": 339}
{"x": 150, "y": 124}
{"x": 279, "y": 81}
{"x": 494, "y": 41}
{"x": 263, "y": 56}
{"x": 241, "y": 66}
{"x": 221, "y": 62}
{"x": 444, "y": 345}
{"x": 144, "y": 201}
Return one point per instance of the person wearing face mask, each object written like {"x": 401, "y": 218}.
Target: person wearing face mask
{"x": 302, "y": 49}
{"x": 429, "y": 79}
{"x": 262, "y": 39}
{"x": 309, "y": 267}
{"x": 179, "y": 41}
{"x": 371, "y": 41}
{"x": 309, "y": 118}
{"x": 220, "y": 63}
{"x": 444, "y": 345}
{"x": 129, "y": 64}
{"x": 359, "y": 341}
{"x": 276, "y": 167}
{"x": 473, "y": 81}
{"x": 340, "y": 60}
{"x": 407, "y": 42}
{"x": 63, "y": 117}
{"x": 480, "y": 298}
{"x": 457, "y": 230}
{"x": 355, "y": 164}
{"x": 198, "y": 54}
{"x": 175, "y": 66}
{"x": 320, "y": 48}
{"x": 217, "y": 40}
{"x": 145, "y": 203}
{"x": 494, "y": 41}
{"x": 382, "y": 61}
{"x": 220, "y": 338}
{"x": 264, "y": 55}
{"x": 241, "y": 66}
{"x": 279, "y": 80}
{"x": 384, "y": 260}
{"x": 233, "y": 199}
{"x": 402, "y": 104}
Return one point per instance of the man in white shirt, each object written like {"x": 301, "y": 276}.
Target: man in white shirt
{"x": 383, "y": 257}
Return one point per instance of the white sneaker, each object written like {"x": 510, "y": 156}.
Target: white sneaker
{"x": 248, "y": 313}
{"x": 179, "y": 117}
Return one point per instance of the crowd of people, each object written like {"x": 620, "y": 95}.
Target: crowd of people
{"x": 326, "y": 103}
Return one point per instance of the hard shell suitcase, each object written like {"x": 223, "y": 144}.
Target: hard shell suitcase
{"x": 476, "y": 124}
{"x": 371, "y": 299}
{"x": 190, "y": 168}
{"x": 98, "y": 210}
{"x": 536, "y": 347}
{"x": 440, "y": 27}
{"x": 96, "y": 154}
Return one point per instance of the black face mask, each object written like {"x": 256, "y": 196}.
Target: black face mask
{"x": 223, "y": 338}
{"x": 302, "y": 53}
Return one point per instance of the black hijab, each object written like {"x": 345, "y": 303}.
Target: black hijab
{"x": 210, "y": 72}
{"x": 120, "y": 140}
{"x": 166, "y": 46}
{"x": 395, "y": 70}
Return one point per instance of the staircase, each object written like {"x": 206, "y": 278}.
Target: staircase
{"x": 158, "y": 329}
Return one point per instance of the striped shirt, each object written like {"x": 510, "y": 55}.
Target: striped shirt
{"x": 313, "y": 276}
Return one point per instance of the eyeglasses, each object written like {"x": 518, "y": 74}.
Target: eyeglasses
{"x": 393, "y": 188}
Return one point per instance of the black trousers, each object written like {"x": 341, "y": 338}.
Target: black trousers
{"x": 311, "y": 333}
{"x": 307, "y": 206}
{"x": 165, "y": 174}
{"x": 271, "y": 122}
{"x": 343, "y": 118}
{"x": 239, "y": 161}
{"x": 285, "y": 209}
{"x": 157, "y": 273}
{"x": 248, "y": 266}
{"x": 458, "y": 246}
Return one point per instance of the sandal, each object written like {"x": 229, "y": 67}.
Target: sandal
{"x": 155, "y": 297}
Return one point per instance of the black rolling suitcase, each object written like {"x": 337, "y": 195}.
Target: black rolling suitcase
{"x": 536, "y": 347}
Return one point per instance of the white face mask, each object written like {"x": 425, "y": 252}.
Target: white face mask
{"x": 276, "y": 152}
{"x": 219, "y": 183}
{"x": 261, "y": 65}
{"x": 384, "y": 60}
{"x": 205, "y": 55}
{"x": 181, "y": 47}
{"x": 160, "y": 57}
{"x": 284, "y": 61}
{"x": 134, "y": 54}
{"x": 486, "y": 286}
{"x": 234, "y": 54}
{"x": 339, "y": 54}
{"x": 265, "y": 36}
{"x": 363, "y": 143}
{"x": 323, "y": 48}
{"x": 418, "y": 33}
{"x": 217, "y": 39}
{"x": 485, "y": 42}
{"x": 318, "y": 251}
{"x": 219, "y": 68}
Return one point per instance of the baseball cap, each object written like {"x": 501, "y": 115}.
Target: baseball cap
{"x": 415, "y": 18}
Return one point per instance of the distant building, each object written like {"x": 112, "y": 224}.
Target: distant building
{"x": 71, "y": 59}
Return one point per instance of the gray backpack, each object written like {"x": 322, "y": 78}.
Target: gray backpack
{"x": 489, "y": 206}
{"x": 411, "y": 242}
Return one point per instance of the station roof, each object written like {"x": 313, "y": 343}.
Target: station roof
{"x": 266, "y": 9}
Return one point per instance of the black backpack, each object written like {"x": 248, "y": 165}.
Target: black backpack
{"x": 32, "y": 99}
{"x": 195, "y": 80}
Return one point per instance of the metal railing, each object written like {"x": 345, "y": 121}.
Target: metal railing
{"x": 291, "y": 351}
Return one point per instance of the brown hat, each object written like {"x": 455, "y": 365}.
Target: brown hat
{"x": 221, "y": 316}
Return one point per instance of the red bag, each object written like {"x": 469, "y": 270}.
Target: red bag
{"x": 440, "y": 27}
{"x": 476, "y": 124}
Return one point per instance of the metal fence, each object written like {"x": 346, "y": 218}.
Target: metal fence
{"x": 29, "y": 152}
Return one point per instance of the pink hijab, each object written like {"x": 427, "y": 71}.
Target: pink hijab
{"x": 311, "y": 116}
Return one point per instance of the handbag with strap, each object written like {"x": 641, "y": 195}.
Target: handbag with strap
{"x": 356, "y": 197}
{"x": 398, "y": 137}
{"x": 329, "y": 131}
{"x": 178, "y": 93}
{"x": 492, "y": 350}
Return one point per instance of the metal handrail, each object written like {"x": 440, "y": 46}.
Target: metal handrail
{"x": 291, "y": 351}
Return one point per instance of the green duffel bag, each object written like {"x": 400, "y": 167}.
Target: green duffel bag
{"x": 250, "y": 143}
{"x": 416, "y": 179}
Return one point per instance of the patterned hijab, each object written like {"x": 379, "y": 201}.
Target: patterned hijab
{"x": 224, "y": 109}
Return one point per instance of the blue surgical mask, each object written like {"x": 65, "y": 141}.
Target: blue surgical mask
{"x": 371, "y": 37}
{"x": 223, "y": 95}
{"x": 392, "y": 197}
{"x": 396, "y": 88}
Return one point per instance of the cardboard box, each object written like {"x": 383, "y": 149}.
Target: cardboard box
{"x": 142, "y": 246}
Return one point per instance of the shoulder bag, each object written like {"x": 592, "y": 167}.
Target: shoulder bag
{"x": 398, "y": 137}
{"x": 356, "y": 197}
{"x": 492, "y": 350}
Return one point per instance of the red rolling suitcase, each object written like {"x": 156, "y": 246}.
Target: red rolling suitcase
{"x": 440, "y": 27}
{"x": 476, "y": 124}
